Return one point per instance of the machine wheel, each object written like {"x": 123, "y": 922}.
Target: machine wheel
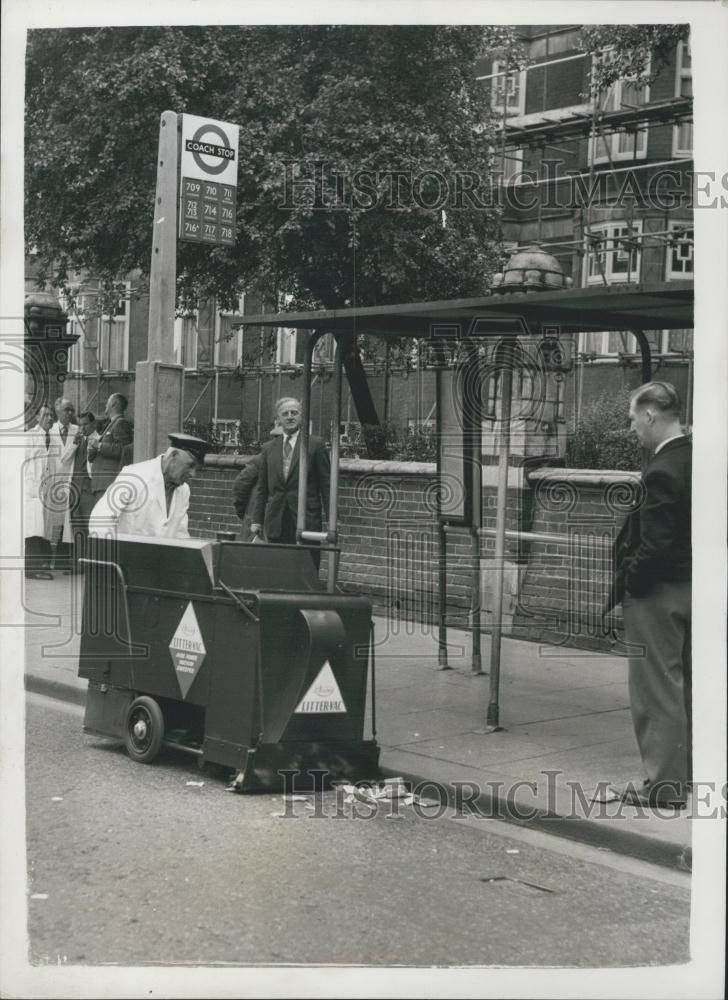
{"x": 144, "y": 729}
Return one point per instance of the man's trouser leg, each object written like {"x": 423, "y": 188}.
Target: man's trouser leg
{"x": 659, "y": 626}
{"x": 288, "y": 537}
{"x": 38, "y": 554}
{"x": 79, "y": 525}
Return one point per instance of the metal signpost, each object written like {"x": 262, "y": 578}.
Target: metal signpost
{"x": 197, "y": 166}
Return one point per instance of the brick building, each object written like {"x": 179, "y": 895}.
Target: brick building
{"x": 602, "y": 181}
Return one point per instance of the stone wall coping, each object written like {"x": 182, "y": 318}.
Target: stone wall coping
{"x": 223, "y": 461}
{"x": 393, "y": 468}
{"x": 583, "y": 477}
{"x": 362, "y": 465}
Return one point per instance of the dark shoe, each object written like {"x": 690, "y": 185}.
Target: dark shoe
{"x": 650, "y": 798}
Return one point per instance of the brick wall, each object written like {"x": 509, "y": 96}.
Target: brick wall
{"x": 554, "y": 592}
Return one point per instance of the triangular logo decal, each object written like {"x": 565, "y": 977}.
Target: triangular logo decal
{"x": 187, "y": 649}
{"x": 323, "y": 695}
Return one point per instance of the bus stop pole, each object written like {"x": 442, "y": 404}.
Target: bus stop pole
{"x": 492, "y": 721}
{"x": 333, "y": 557}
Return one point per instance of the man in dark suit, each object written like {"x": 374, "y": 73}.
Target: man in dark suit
{"x": 245, "y": 492}
{"x": 82, "y": 497}
{"x": 106, "y": 455}
{"x": 653, "y": 573}
{"x": 276, "y": 505}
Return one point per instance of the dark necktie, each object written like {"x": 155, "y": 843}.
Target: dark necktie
{"x": 64, "y": 433}
{"x": 169, "y": 489}
{"x": 48, "y": 439}
{"x": 287, "y": 452}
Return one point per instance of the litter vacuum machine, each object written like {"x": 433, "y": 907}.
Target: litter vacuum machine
{"x": 231, "y": 652}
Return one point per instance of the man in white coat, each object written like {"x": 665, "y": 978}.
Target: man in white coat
{"x": 65, "y": 438}
{"x": 151, "y": 498}
{"x": 35, "y": 481}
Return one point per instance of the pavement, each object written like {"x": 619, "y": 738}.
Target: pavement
{"x": 566, "y": 726}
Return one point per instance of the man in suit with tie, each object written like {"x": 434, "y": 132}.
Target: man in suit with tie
{"x": 82, "y": 502}
{"x": 653, "y": 573}
{"x": 106, "y": 455}
{"x": 276, "y": 505}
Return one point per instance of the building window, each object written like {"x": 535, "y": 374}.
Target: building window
{"x": 508, "y": 163}
{"x": 508, "y": 90}
{"x": 229, "y": 342}
{"x": 623, "y": 94}
{"x": 286, "y": 347}
{"x": 324, "y": 349}
{"x": 185, "y": 340}
{"x": 113, "y": 337}
{"x": 81, "y": 314}
{"x": 611, "y": 344}
{"x": 682, "y": 134}
{"x": 613, "y": 250}
{"x": 286, "y": 339}
{"x": 680, "y": 251}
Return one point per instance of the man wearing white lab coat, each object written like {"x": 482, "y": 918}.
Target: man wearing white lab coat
{"x": 65, "y": 437}
{"x": 151, "y": 498}
{"x": 35, "y": 481}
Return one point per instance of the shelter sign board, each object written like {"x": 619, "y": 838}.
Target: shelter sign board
{"x": 208, "y": 178}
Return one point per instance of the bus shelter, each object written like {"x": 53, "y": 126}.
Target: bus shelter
{"x": 458, "y": 328}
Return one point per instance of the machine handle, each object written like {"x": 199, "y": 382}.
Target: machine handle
{"x": 141, "y": 649}
{"x": 315, "y": 536}
{"x": 241, "y": 604}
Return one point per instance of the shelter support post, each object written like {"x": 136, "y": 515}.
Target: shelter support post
{"x": 473, "y": 417}
{"x": 644, "y": 346}
{"x": 302, "y": 535}
{"x": 442, "y": 597}
{"x": 333, "y": 556}
{"x": 303, "y": 436}
{"x": 504, "y": 447}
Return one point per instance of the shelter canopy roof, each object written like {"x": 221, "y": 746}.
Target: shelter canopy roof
{"x": 659, "y": 305}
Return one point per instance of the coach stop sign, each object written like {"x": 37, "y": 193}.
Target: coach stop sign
{"x": 208, "y": 171}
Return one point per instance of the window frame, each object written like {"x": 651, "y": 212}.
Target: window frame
{"x": 604, "y": 355}
{"x": 77, "y": 323}
{"x": 633, "y": 276}
{"x": 104, "y": 320}
{"x": 286, "y": 331}
{"x": 520, "y": 77}
{"x": 179, "y": 339}
{"x": 671, "y": 275}
{"x": 220, "y": 314}
{"x": 610, "y": 141}
{"x": 681, "y": 73}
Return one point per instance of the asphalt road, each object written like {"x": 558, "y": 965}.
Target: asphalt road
{"x": 132, "y": 864}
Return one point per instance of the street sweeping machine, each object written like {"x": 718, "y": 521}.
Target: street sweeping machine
{"x": 232, "y": 652}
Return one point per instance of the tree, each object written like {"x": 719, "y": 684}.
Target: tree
{"x": 354, "y": 143}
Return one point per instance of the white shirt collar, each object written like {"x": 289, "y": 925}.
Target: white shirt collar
{"x": 662, "y": 444}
